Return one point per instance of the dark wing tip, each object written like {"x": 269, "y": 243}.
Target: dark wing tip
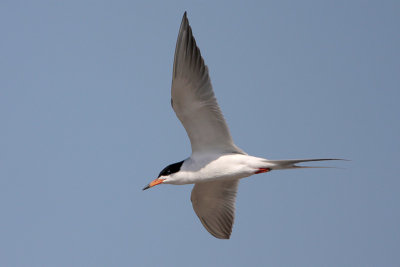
{"x": 225, "y": 236}
{"x": 217, "y": 233}
{"x": 184, "y": 18}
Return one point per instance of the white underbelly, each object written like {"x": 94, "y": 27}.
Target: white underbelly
{"x": 226, "y": 167}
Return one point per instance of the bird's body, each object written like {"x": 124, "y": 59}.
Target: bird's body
{"x": 216, "y": 164}
{"x": 211, "y": 167}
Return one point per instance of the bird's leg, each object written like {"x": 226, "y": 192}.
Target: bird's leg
{"x": 262, "y": 170}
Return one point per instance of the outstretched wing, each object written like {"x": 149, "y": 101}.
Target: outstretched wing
{"x": 193, "y": 99}
{"x": 214, "y": 204}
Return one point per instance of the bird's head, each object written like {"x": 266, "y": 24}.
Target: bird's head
{"x": 165, "y": 175}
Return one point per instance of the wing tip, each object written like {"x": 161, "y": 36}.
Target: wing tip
{"x": 185, "y": 19}
{"x": 224, "y": 237}
{"x": 217, "y": 234}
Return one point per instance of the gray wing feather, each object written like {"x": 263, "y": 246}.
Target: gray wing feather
{"x": 214, "y": 204}
{"x": 193, "y": 99}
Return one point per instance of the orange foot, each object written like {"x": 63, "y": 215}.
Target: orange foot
{"x": 262, "y": 170}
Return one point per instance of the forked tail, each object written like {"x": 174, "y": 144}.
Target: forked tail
{"x": 291, "y": 163}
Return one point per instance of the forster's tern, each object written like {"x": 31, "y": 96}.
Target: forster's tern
{"x": 216, "y": 164}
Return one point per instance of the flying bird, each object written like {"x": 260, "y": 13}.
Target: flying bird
{"x": 216, "y": 164}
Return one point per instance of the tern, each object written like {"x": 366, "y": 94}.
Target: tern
{"x": 216, "y": 164}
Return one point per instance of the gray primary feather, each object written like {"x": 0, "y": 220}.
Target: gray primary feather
{"x": 193, "y": 99}
{"x": 214, "y": 204}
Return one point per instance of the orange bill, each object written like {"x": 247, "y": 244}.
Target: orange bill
{"x": 153, "y": 183}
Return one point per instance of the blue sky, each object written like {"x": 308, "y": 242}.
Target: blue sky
{"x": 86, "y": 122}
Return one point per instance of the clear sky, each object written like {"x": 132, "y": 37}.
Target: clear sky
{"x": 86, "y": 122}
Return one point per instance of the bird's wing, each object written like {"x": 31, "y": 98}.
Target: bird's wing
{"x": 193, "y": 99}
{"x": 214, "y": 204}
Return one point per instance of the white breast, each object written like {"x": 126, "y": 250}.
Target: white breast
{"x": 203, "y": 168}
